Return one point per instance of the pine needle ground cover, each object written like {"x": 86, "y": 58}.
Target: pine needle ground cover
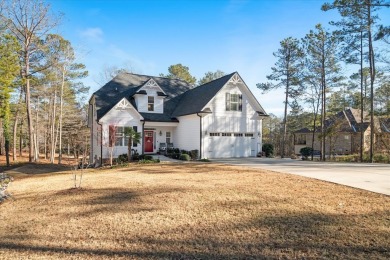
{"x": 191, "y": 211}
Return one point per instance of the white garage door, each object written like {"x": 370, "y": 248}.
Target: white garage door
{"x": 227, "y": 145}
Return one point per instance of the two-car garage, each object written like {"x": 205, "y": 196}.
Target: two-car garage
{"x": 226, "y": 145}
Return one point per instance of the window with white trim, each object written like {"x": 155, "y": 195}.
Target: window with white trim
{"x": 233, "y": 102}
{"x": 168, "y": 137}
{"x": 150, "y": 103}
{"x": 120, "y": 138}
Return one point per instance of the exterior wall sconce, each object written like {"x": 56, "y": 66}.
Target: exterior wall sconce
{"x": 160, "y": 133}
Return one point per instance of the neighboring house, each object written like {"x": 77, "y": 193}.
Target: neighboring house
{"x": 342, "y": 134}
{"x": 220, "y": 119}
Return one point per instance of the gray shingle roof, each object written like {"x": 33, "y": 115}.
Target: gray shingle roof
{"x": 194, "y": 100}
{"x": 348, "y": 120}
{"x": 180, "y": 98}
{"x": 125, "y": 85}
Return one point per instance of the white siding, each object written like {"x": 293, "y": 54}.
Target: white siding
{"x": 222, "y": 121}
{"x": 118, "y": 117}
{"x": 187, "y": 133}
{"x": 142, "y": 101}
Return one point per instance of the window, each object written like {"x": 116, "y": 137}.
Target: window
{"x": 168, "y": 137}
{"x": 226, "y": 134}
{"x": 117, "y": 135}
{"x": 214, "y": 134}
{"x": 300, "y": 139}
{"x": 233, "y": 102}
{"x": 249, "y": 135}
{"x": 238, "y": 134}
{"x": 150, "y": 103}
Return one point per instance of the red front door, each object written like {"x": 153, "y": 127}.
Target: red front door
{"x": 148, "y": 141}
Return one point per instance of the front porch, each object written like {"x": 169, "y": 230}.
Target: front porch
{"x": 157, "y": 136}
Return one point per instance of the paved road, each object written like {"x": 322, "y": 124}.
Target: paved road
{"x": 371, "y": 177}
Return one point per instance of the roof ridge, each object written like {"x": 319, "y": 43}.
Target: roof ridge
{"x": 150, "y": 77}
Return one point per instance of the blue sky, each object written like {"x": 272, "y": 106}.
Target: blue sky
{"x": 149, "y": 36}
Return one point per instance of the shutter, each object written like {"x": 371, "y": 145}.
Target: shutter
{"x": 240, "y": 103}
{"x": 227, "y": 101}
{"x": 111, "y": 135}
{"x": 135, "y": 130}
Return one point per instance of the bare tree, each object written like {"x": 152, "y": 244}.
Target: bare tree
{"x": 29, "y": 21}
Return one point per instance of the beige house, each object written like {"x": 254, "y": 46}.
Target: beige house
{"x": 343, "y": 133}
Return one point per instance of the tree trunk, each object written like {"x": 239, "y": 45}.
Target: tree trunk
{"x": 28, "y": 106}
{"x": 371, "y": 58}
{"x": 361, "y": 99}
{"x": 52, "y": 130}
{"x": 36, "y": 137}
{"x": 60, "y": 118}
{"x": 15, "y": 129}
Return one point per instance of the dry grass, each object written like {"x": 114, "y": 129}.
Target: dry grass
{"x": 191, "y": 211}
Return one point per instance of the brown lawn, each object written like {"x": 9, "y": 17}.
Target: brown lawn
{"x": 191, "y": 211}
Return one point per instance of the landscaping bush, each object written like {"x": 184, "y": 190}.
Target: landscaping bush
{"x": 268, "y": 149}
{"x": 176, "y": 150}
{"x": 381, "y": 158}
{"x": 149, "y": 161}
{"x": 175, "y": 156}
{"x": 122, "y": 158}
{"x": 148, "y": 157}
{"x": 184, "y": 152}
{"x": 194, "y": 154}
{"x": 346, "y": 158}
{"x": 306, "y": 152}
{"x": 185, "y": 157}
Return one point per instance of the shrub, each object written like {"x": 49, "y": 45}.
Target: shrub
{"x": 184, "y": 152}
{"x": 176, "y": 156}
{"x": 185, "y": 157}
{"x": 194, "y": 154}
{"x": 268, "y": 149}
{"x": 176, "y": 150}
{"x": 5, "y": 180}
{"x": 149, "y": 161}
{"x": 122, "y": 158}
{"x": 204, "y": 160}
{"x": 306, "y": 152}
{"x": 381, "y": 158}
{"x": 148, "y": 157}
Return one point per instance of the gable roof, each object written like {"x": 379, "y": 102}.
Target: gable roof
{"x": 194, "y": 100}
{"x": 179, "y": 96}
{"x": 348, "y": 120}
{"x": 125, "y": 85}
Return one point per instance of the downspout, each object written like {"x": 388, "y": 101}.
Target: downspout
{"x": 101, "y": 143}
{"x": 200, "y": 136}
{"x": 143, "y": 137}
{"x": 90, "y": 122}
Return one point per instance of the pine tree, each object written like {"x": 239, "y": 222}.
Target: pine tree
{"x": 9, "y": 69}
{"x": 286, "y": 74}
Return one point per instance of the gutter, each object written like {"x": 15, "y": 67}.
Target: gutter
{"x": 200, "y": 136}
{"x": 143, "y": 137}
{"x": 101, "y": 143}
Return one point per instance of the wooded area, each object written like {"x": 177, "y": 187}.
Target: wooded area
{"x": 42, "y": 109}
{"x": 312, "y": 72}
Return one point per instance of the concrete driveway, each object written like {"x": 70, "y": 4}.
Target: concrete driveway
{"x": 371, "y": 177}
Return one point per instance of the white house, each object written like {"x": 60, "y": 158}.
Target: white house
{"x": 220, "y": 119}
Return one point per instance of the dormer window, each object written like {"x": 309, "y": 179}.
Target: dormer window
{"x": 150, "y": 103}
